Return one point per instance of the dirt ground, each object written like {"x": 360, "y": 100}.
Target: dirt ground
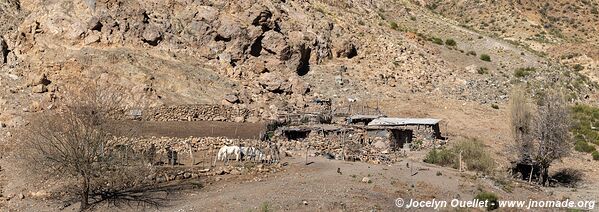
{"x": 319, "y": 187}
{"x": 329, "y": 185}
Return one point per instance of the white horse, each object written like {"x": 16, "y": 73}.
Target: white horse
{"x": 225, "y": 151}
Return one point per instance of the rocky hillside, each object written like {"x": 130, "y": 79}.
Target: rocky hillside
{"x": 266, "y": 55}
{"x": 566, "y": 31}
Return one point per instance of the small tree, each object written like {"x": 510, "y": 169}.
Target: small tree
{"x": 76, "y": 142}
{"x": 553, "y": 124}
{"x": 521, "y": 119}
{"x": 543, "y": 137}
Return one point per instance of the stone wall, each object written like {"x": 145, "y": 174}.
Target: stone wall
{"x": 199, "y": 112}
{"x": 183, "y": 144}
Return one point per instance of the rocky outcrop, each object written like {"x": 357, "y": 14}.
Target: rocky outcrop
{"x": 345, "y": 48}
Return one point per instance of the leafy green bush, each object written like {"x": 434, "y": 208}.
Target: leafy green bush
{"x": 595, "y": 155}
{"x": 450, "y": 42}
{"x": 523, "y": 72}
{"x": 584, "y": 117}
{"x": 495, "y": 106}
{"x": 473, "y": 53}
{"x": 474, "y": 156}
{"x": 441, "y": 157}
{"x": 482, "y": 70}
{"x": 583, "y": 146}
{"x": 491, "y": 197}
{"x": 485, "y": 57}
{"x": 393, "y": 25}
{"x": 436, "y": 40}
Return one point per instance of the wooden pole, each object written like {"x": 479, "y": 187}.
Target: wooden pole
{"x": 307, "y": 147}
{"x": 343, "y": 142}
{"x": 193, "y": 161}
{"x": 460, "y": 158}
{"x": 530, "y": 175}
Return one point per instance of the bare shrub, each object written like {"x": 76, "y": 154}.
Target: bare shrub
{"x": 553, "y": 124}
{"x": 568, "y": 177}
{"x": 541, "y": 137}
{"x": 521, "y": 123}
{"x": 74, "y": 144}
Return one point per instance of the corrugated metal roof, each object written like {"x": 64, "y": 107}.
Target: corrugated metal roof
{"x": 403, "y": 121}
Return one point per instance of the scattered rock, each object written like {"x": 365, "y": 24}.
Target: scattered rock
{"x": 92, "y": 38}
{"x": 38, "y": 79}
{"x": 235, "y": 172}
{"x": 239, "y": 119}
{"x": 39, "y": 89}
{"x": 298, "y": 86}
{"x": 219, "y": 118}
{"x": 40, "y": 194}
{"x": 338, "y": 80}
{"x": 152, "y": 35}
{"x": 366, "y": 180}
{"x": 232, "y": 98}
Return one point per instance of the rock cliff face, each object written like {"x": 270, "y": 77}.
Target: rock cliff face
{"x": 268, "y": 56}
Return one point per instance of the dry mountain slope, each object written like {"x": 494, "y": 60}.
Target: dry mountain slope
{"x": 563, "y": 30}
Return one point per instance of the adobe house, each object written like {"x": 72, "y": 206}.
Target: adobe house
{"x": 401, "y": 131}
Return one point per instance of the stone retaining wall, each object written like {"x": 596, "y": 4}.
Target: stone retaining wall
{"x": 200, "y": 112}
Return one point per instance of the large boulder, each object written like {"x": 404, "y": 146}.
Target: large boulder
{"x": 229, "y": 29}
{"x": 275, "y": 43}
{"x": 298, "y": 86}
{"x": 207, "y": 13}
{"x": 38, "y": 79}
{"x": 232, "y": 98}
{"x": 345, "y": 49}
{"x": 274, "y": 83}
{"x": 261, "y": 17}
{"x": 152, "y": 35}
